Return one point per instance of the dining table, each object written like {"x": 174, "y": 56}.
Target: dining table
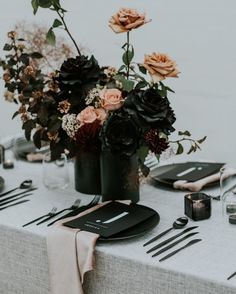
{"x": 121, "y": 266}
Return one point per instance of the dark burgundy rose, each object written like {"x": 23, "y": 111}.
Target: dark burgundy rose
{"x": 149, "y": 109}
{"x": 155, "y": 143}
{"x": 120, "y": 135}
{"x": 87, "y": 137}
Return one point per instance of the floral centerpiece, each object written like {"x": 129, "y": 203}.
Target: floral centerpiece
{"x": 84, "y": 108}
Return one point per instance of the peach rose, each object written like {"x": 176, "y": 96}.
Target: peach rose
{"x": 160, "y": 66}
{"x": 101, "y": 114}
{"x": 87, "y": 116}
{"x": 111, "y": 99}
{"x": 126, "y": 19}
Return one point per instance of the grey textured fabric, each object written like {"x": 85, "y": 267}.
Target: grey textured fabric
{"x": 122, "y": 266}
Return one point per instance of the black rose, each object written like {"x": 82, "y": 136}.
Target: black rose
{"x": 76, "y": 77}
{"x": 149, "y": 109}
{"x": 120, "y": 135}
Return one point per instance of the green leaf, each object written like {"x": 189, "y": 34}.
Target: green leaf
{"x": 28, "y": 126}
{"x": 15, "y": 114}
{"x": 184, "y": 133}
{"x": 44, "y": 3}
{"x": 127, "y": 85}
{"x": 192, "y": 149}
{"x": 57, "y": 23}
{"x": 35, "y": 6}
{"x": 7, "y": 47}
{"x": 169, "y": 89}
{"x": 180, "y": 149}
{"x": 142, "y": 153}
{"x": 140, "y": 85}
{"x": 37, "y": 139}
{"x": 142, "y": 69}
{"x": 128, "y": 56}
{"x": 122, "y": 67}
{"x": 50, "y": 37}
{"x": 36, "y": 55}
{"x": 202, "y": 140}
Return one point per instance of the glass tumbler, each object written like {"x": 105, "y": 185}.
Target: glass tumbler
{"x": 228, "y": 190}
{"x": 55, "y": 172}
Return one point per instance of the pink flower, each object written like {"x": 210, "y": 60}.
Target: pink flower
{"x": 111, "y": 99}
{"x": 87, "y": 116}
{"x": 101, "y": 114}
{"x": 160, "y": 66}
{"x": 127, "y": 19}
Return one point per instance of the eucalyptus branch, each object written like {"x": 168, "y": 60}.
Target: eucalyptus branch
{"x": 183, "y": 139}
{"x": 68, "y": 32}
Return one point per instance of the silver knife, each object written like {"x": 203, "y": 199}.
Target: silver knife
{"x": 174, "y": 243}
{"x": 190, "y": 243}
{"x": 171, "y": 239}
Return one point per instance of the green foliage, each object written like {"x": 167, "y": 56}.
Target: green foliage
{"x": 127, "y": 85}
{"x": 186, "y": 137}
{"x": 50, "y": 37}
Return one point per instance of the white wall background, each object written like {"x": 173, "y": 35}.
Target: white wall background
{"x": 199, "y": 35}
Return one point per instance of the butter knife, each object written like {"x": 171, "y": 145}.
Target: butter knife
{"x": 174, "y": 243}
{"x": 171, "y": 239}
{"x": 190, "y": 243}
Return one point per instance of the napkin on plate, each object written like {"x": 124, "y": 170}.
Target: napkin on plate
{"x": 198, "y": 185}
{"x": 70, "y": 255}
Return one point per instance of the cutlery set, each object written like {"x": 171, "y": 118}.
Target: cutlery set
{"x": 178, "y": 224}
{"x": 6, "y": 202}
{"x": 75, "y": 209}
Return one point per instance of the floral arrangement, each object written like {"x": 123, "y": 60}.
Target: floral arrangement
{"x": 83, "y": 107}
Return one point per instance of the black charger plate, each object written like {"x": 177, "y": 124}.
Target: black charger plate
{"x": 138, "y": 230}
{"x": 156, "y": 174}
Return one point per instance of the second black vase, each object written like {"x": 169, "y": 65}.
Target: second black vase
{"x": 119, "y": 177}
{"x": 87, "y": 173}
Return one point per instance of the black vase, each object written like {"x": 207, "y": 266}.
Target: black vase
{"x": 87, "y": 173}
{"x": 119, "y": 177}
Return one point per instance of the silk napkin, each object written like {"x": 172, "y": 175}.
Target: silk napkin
{"x": 198, "y": 185}
{"x": 70, "y": 256}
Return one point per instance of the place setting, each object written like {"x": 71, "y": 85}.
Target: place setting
{"x": 104, "y": 203}
{"x": 10, "y": 198}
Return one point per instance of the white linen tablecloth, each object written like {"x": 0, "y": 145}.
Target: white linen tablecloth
{"x": 122, "y": 266}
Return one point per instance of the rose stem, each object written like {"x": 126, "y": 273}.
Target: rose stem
{"x": 127, "y": 55}
{"x": 68, "y": 32}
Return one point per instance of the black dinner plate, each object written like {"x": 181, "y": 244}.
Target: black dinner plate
{"x": 156, "y": 175}
{"x": 1, "y": 183}
{"x": 137, "y": 230}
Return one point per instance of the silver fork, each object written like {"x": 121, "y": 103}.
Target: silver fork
{"x": 75, "y": 205}
{"x": 50, "y": 213}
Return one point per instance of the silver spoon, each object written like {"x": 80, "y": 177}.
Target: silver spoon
{"x": 179, "y": 223}
{"x": 24, "y": 185}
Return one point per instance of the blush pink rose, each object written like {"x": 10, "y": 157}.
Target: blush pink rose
{"x": 126, "y": 19}
{"x": 87, "y": 116}
{"x": 160, "y": 66}
{"x": 101, "y": 114}
{"x": 111, "y": 99}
